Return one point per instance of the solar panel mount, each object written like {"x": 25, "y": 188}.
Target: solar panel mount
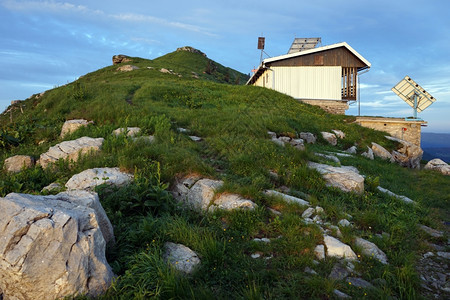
{"x": 302, "y": 44}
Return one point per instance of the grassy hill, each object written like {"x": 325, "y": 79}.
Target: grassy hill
{"x": 233, "y": 120}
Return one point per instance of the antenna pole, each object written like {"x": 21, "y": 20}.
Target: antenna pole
{"x": 415, "y": 104}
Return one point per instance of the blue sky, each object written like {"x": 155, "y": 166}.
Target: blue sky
{"x": 44, "y": 44}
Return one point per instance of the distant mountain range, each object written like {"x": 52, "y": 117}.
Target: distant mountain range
{"x": 436, "y": 145}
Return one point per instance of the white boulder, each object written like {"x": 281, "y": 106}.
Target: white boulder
{"x": 308, "y": 137}
{"x": 180, "y": 257}
{"x": 16, "y": 163}
{"x": 345, "y": 178}
{"x": 90, "y": 178}
{"x": 70, "y": 150}
{"x": 371, "y": 250}
{"x": 129, "y": 131}
{"x": 438, "y": 165}
{"x": 52, "y": 247}
{"x": 72, "y": 125}
{"x": 336, "y": 248}
{"x": 329, "y": 137}
{"x": 381, "y": 152}
{"x": 287, "y": 198}
{"x": 228, "y": 201}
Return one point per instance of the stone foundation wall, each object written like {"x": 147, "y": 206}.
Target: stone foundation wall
{"x": 336, "y": 107}
{"x": 400, "y": 128}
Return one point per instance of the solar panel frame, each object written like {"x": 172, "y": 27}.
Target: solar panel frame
{"x": 302, "y": 44}
{"x": 407, "y": 88}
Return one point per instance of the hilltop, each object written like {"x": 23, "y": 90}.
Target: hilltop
{"x": 202, "y": 125}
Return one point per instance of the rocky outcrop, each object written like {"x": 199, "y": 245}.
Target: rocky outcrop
{"x": 409, "y": 155}
{"x": 339, "y": 133}
{"x": 89, "y": 179}
{"x": 438, "y": 165}
{"x": 371, "y": 250}
{"x": 191, "y": 49}
{"x": 52, "y": 247}
{"x": 15, "y": 164}
{"x": 345, "y": 178}
{"x": 129, "y": 131}
{"x": 282, "y": 140}
{"x": 72, "y": 125}
{"x": 368, "y": 154}
{"x": 180, "y": 257}
{"x": 199, "y": 194}
{"x": 70, "y": 150}
{"x": 329, "y": 137}
{"x": 381, "y": 152}
{"x": 118, "y": 59}
{"x": 127, "y": 68}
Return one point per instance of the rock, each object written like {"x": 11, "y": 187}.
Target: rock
{"x": 340, "y": 134}
{"x": 403, "y": 198}
{"x": 409, "y": 155}
{"x": 191, "y": 49}
{"x": 432, "y": 232}
{"x": 344, "y": 223}
{"x": 319, "y": 210}
{"x": 127, "y": 68}
{"x": 284, "y": 139}
{"x": 336, "y": 248}
{"x": 145, "y": 138}
{"x": 195, "y": 138}
{"x": 287, "y": 198}
{"x": 232, "y": 201}
{"x": 319, "y": 251}
{"x": 351, "y": 150}
{"x": 368, "y": 154}
{"x": 180, "y": 257}
{"x": 195, "y": 192}
{"x": 438, "y": 165}
{"x": 308, "y": 212}
{"x": 442, "y": 254}
{"x": 371, "y": 250}
{"x": 52, "y": 187}
{"x": 340, "y": 154}
{"x": 255, "y": 255}
{"x": 338, "y": 272}
{"x": 90, "y": 178}
{"x": 343, "y": 177}
{"x": 71, "y": 126}
{"x": 329, "y": 137}
{"x": 263, "y": 240}
{"x": 317, "y": 219}
{"x": 310, "y": 271}
{"x": 277, "y": 141}
{"x": 70, "y": 150}
{"x": 164, "y": 70}
{"x": 16, "y": 163}
{"x": 52, "y": 247}
{"x": 129, "y": 131}
{"x": 298, "y": 143}
{"x": 329, "y": 157}
{"x": 380, "y": 152}
{"x": 308, "y": 137}
{"x": 360, "y": 283}
{"x": 272, "y": 134}
{"x": 341, "y": 295}
{"x": 274, "y": 211}
{"x": 182, "y": 130}
{"x": 117, "y": 59}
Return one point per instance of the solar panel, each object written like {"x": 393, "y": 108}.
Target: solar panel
{"x": 302, "y": 44}
{"x": 413, "y": 94}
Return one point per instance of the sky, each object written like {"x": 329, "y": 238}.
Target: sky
{"x": 45, "y": 44}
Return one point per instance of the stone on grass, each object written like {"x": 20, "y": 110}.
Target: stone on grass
{"x": 117, "y": 59}
{"x": 341, "y": 295}
{"x": 344, "y": 178}
{"x": 328, "y": 157}
{"x": 344, "y": 223}
{"x": 319, "y": 252}
{"x": 351, "y": 150}
{"x": 442, "y": 254}
{"x": 339, "y": 133}
{"x": 145, "y": 139}
{"x": 129, "y": 131}
{"x": 272, "y": 134}
{"x": 54, "y": 186}
{"x": 71, "y": 126}
{"x": 381, "y": 152}
{"x": 195, "y": 138}
{"x": 227, "y": 201}
{"x": 308, "y": 137}
{"x": 338, "y": 272}
{"x": 368, "y": 154}
{"x": 52, "y": 247}
{"x": 329, "y": 137}
{"x": 432, "y": 232}
{"x": 70, "y": 150}
{"x": 336, "y": 248}
{"x": 127, "y": 68}
{"x": 180, "y": 257}
{"x": 16, "y": 163}
{"x": 309, "y": 271}
{"x": 438, "y": 165}
{"x": 308, "y": 212}
{"x": 359, "y": 282}
{"x": 371, "y": 250}
{"x": 287, "y": 198}
{"x": 403, "y": 198}
{"x": 90, "y": 178}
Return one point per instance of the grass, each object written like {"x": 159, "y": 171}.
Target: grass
{"x": 233, "y": 121}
